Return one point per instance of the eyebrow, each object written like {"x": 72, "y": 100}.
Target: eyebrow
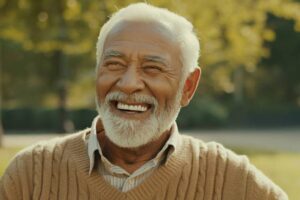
{"x": 113, "y": 53}
{"x": 149, "y": 58}
{"x": 157, "y": 59}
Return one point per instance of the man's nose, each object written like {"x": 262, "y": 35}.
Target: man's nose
{"x": 131, "y": 81}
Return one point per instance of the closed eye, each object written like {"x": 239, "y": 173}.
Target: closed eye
{"x": 152, "y": 68}
{"x": 114, "y": 65}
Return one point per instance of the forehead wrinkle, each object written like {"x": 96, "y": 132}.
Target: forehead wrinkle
{"x": 113, "y": 53}
{"x": 153, "y": 58}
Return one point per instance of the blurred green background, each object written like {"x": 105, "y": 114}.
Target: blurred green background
{"x": 250, "y": 60}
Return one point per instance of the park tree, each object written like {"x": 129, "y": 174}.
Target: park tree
{"x": 55, "y": 29}
{"x": 233, "y": 36}
{"x": 1, "y": 128}
{"x": 283, "y": 64}
{"x": 1, "y": 134}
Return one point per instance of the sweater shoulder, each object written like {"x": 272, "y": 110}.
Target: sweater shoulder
{"x": 215, "y": 156}
{"x": 214, "y": 150}
{"x": 35, "y": 165}
{"x": 230, "y": 169}
{"x": 50, "y": 145}
{"x": 50, "y": 149}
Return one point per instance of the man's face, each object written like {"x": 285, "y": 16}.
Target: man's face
{"x": 138, "y": 83}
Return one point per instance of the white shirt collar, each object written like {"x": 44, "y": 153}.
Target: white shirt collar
{"x": 93, "y": 144}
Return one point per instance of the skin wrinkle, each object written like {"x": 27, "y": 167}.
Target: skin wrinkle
{"x": 112, "y": 53}
{"x": 167, "y": 23}
{"x": 140, "y": 59}
{"x": 163, "y": 30}
{"x": 113, "y": 45}
{"x": 156, "y": 59}
{"x": 147, "y": 58}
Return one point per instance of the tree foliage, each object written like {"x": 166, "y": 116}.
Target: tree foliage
{"x": 46, "y": 26}
{"x": 233, "y": 35}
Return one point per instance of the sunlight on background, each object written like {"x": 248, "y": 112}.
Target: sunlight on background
{"x": 249, "y": 59}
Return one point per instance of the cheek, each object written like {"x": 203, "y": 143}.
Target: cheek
{"x": 163, "y": 90}
{"x": 103, "y": 85}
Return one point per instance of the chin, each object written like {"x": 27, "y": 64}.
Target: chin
{"x": 130, "y": 133}
{"x": 133, "y": 133}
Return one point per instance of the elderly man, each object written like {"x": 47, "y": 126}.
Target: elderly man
{"x": 146, "y": 71}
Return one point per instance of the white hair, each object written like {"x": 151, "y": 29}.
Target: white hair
{"x": 181, "y": 28}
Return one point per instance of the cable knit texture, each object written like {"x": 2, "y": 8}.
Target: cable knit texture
{"x": 59, "y": 169}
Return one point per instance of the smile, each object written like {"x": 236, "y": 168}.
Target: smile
{"x": 128, "y": 107}
{"x": 133, "y": 109}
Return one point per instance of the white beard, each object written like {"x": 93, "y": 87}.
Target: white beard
{"x": 129, "y": 133}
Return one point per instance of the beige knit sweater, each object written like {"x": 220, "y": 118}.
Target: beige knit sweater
{"x": 59, "y": 169}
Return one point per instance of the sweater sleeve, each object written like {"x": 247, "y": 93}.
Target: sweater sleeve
{"x": 261, "y": 187}
{"x": 16, "y": 182}
{"x": 244, "y": 181}
{"x": 8, "y": 187}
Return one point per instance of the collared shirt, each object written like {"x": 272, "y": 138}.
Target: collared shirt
{"x": 117, "y": 176}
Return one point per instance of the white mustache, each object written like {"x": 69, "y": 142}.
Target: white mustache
{"x": 138, "y": 98}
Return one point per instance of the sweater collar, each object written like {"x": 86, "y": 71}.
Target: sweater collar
{"x": 162, "y": 176}
{"x": 93, "y": 144}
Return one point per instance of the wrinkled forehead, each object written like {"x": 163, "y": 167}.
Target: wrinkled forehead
{"x": 162, "y": 31}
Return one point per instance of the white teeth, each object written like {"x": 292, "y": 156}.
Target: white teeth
{"x": 139, "y": 108}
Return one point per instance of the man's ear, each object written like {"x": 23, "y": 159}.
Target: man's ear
{"x": 190, "y": 86}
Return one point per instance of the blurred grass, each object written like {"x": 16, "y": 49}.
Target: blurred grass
{"x": 6, "y": 154}
{"x": 282, "y": 168}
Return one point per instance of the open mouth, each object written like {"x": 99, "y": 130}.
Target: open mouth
{"x": 131, "y": 107}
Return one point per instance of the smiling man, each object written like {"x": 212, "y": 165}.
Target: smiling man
{"x": 146, "y": 71}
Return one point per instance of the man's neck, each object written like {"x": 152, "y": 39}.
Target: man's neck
{"x": 131, "y": 158}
